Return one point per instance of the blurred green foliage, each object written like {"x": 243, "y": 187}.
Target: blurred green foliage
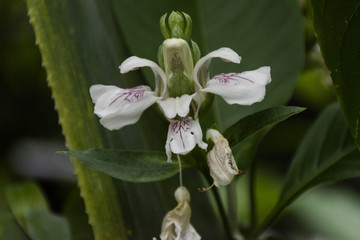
{"x": 28, "y": 111}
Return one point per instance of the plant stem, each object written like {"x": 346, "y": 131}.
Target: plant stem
{"x": 69, "y": 80}
{"x": 223, "y": 215}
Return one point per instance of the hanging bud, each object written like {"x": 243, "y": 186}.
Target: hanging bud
{"x": 176, "y": 25}
{"x": 178, "y": 66}
{"x": 220, "y": 160}
{"x": 176, "y": 223}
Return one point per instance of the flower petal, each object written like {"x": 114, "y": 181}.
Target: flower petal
{"x": 240, "y": 88}
{"x": 189, "y": 233}
{"x": 183, "y": 135}
{"x": 176, "y": 106}
{"x": 202, "y": 65}
{"x": 119, "y": 107}
{"x": 133, "y": 63}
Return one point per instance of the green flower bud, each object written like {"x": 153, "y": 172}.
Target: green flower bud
{"x": 176, "y": 25}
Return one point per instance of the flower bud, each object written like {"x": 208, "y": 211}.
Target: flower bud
{"x": 220, "y": 160}
{"x": 176, "y": 25}
{"x": 178, "y": 66}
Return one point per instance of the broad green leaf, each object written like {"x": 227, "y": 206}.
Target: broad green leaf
{"x": 258, "y": 121}
{"x": 337, "y": 25}
{"x": 327, "y": 154}
{"x": 30, "y": 209}
{"x": 23, "y": 198}
{"x": 333, "y": 211}
{"x": 10, "y": 229}
{"x": 129, "y": 166}
{"x": 42, "y": 225}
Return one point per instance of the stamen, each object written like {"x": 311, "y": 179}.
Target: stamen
{"x": 202, "y": 189}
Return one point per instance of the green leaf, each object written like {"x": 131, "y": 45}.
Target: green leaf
{"x": 337, "y": 25}
{"x": 128, "y": 165}
{"x": 30, "y": 209}
{"x": 42, "y": 225}
{"x": 10, "y": 229}
{"x": 327, "y": 154}
{"x": 23, "y": 198}
{"x": 254, "y": 123}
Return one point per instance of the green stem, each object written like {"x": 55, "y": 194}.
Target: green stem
{"x": 215, "y": 191}
{"x": 223, "y": 215}
{"x": 69, "y": 80}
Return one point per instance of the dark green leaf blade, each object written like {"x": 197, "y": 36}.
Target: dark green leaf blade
{"x": 337, "y": 25}
{"x": 43, "y": 225}
{"x": 327, "y": 154}
{"x": 258, "y": 121}
{"x": 129, "y": 166}
{"x": 31, "y": 210}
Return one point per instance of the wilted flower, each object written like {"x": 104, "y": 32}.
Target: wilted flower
{"x": 220, "y": 160}
{"x": 176, "y": 224}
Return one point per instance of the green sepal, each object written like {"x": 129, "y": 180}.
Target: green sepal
{"x": 195, "y": 51}
{"x": 180, "y": 84}
{"x": 163, "y": 27}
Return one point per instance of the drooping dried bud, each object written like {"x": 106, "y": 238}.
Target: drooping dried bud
{"x": 176, "y": 223}
{"x": 220, "y": 160}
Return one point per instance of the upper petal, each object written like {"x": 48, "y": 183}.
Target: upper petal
{"x": 133, "y": 63}
{"x": 183, "y": 135}
{"x": 119, "y": 107}
{"x": 240, "y": 88}
{"x": 201, "y": 66}
{"x": 176, "y": 106}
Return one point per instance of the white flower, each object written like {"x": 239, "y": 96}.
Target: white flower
{"x": 176, "y": 223}
{"x": 118, "y": 107}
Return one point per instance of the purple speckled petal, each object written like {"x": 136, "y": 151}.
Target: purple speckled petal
{"x": 119, "y": 107}
{"x": 202, "y": 66}
{"x": 240, "y": 88}
{"x": 183, "y": 135}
